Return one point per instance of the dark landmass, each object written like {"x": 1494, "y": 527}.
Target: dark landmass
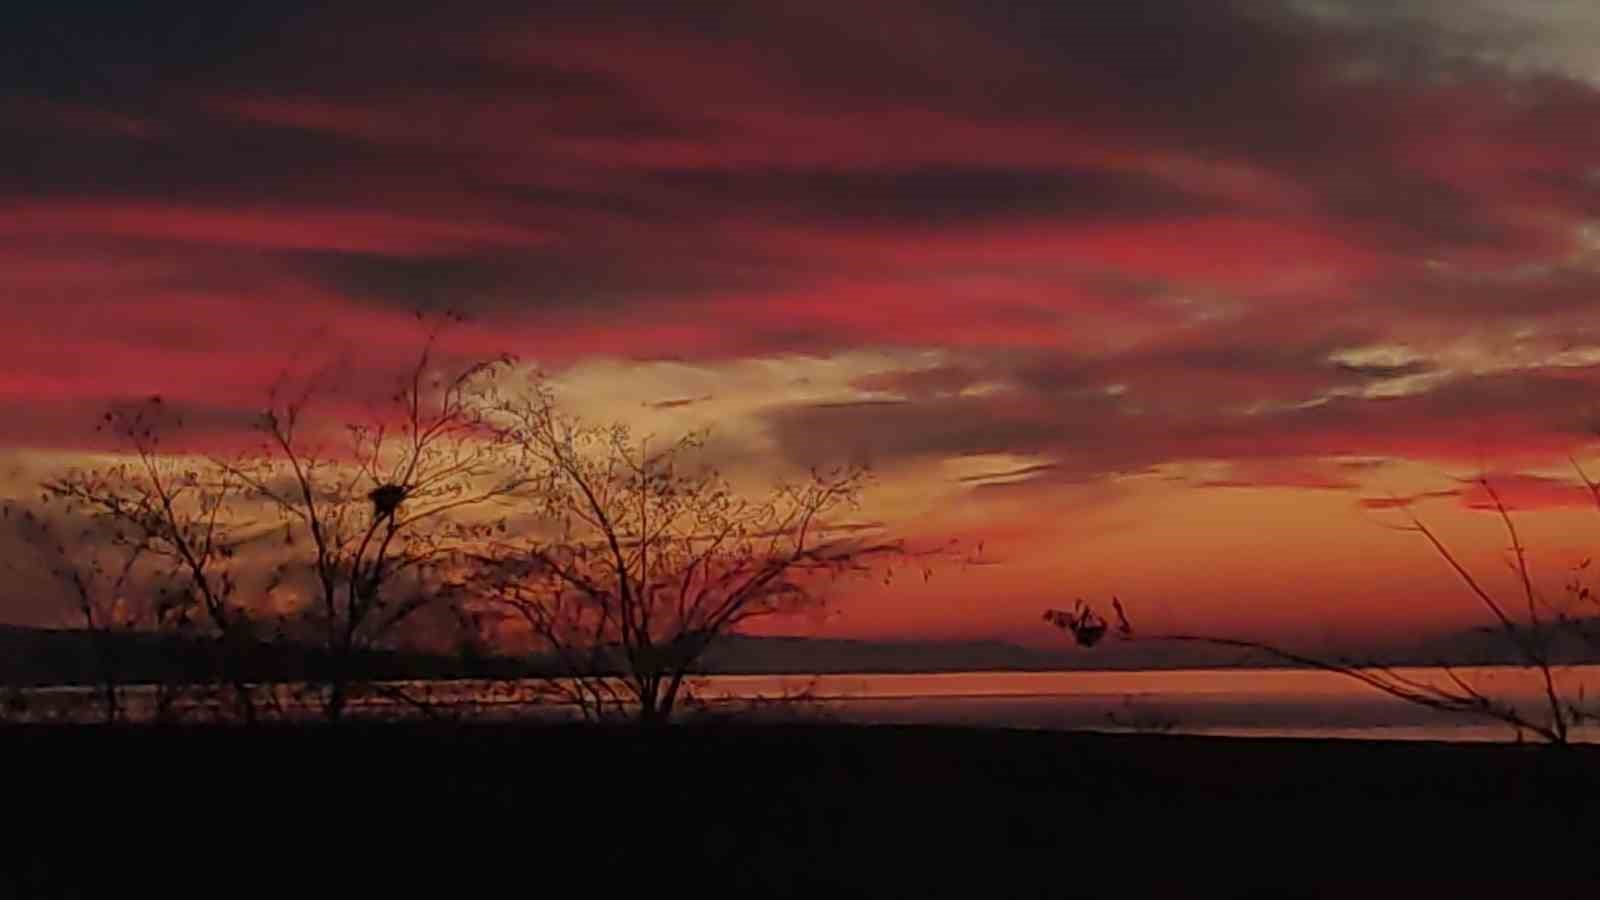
{"x": 36, "y": 657}
{"x": 41, "y": 656}
{"x": 777, "y": 809}
{"x": 801, "y": 655}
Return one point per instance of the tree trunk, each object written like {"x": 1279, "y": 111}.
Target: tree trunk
{"x": 232, "y": 668}
{"x": 651, "y": 714}
{"x": 669, "y": 701}
{"x": 109, "y": 693}
{"x": 338, "y": 699}
{"x": 341, "y": 666}
{"x": 108, "y": 686}
{"x": 246, "y": 703}
{"x": 167, "y": 695}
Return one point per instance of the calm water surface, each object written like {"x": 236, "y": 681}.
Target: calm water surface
{"x": 1244, "y": 702}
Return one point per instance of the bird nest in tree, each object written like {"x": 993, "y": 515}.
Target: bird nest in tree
{"x": 386, "y": 498}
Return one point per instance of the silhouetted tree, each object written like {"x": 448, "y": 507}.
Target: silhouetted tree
{"x": 371, "y": 522}
{"x": 643, "y": 560}
{"x": 177, "y": 512}
{"x": 97, "y": 576}
{"x": 1528, "y": 633}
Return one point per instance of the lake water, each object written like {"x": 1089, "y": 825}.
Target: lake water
{"x": 1243, "y": 702}
{"x": 1240, "y": 702}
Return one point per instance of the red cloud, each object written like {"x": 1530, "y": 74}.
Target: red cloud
{"x": 268, "y": 228}
{"x": 1136, "y": 265}
{"x": 1520, "y": 492}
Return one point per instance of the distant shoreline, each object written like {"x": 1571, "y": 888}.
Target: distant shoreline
{"x": 862, "y": 673}
{"x": 41, "y": 657}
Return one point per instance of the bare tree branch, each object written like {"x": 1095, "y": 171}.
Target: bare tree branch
{"x": 642, "y": 561}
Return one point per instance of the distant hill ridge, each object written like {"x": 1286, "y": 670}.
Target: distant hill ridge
{"x": 43, "y": 656}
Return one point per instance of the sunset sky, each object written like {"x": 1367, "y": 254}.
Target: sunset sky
{"x": 1174, "y": 300}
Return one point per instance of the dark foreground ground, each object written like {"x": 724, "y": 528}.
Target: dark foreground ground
{"x": 765, "y": 810}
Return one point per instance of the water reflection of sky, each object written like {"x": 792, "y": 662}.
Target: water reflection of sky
{"x": 1272, "y": 702}
{"x": 1243, "y": 702}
